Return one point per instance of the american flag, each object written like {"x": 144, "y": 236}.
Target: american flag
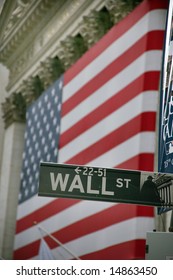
{"x": 107, "y": 118}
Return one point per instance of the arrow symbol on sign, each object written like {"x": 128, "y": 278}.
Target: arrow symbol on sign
{"x": 77, "y": 170}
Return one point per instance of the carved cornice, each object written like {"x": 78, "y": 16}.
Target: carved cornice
{"x": 26, "y": 14}
{"x": 17, "y": 50}
{"x": 67, "y": 51}
{"x": 21, "y": 8}
{"x": 43, "y": 35}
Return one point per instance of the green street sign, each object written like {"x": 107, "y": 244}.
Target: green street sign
{"x": 103, "y": 184}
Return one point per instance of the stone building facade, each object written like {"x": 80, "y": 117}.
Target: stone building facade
{"x": 39, "y": 41}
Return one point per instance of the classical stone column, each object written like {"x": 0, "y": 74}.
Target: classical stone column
{"x": 163, "y": 221}
{"x": 10, "y": 173}
{"x": 4, "y": 74}
{"x": 9, "y": 186}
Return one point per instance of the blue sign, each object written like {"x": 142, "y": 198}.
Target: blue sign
{"x": 165, "y": 160}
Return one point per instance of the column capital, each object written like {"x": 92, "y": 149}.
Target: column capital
{"x": 71, "y": 49}
{"x": 14, "y": 109}
{"x": 45, "y": 72}
{"x": 119, "y": 9}
{"x": 66, "y": 52}
{"x": 89, "y": 28}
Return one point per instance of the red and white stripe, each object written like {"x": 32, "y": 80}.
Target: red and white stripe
{"x": 108, "y": 119}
